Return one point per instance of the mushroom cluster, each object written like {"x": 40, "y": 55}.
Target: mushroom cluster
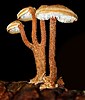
{"x": 53, "y": 13}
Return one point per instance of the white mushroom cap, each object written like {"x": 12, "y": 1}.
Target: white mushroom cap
{"x": 62, "y": 13}
{"x": 25, "y": 14}
{"x": 13, "y": 28}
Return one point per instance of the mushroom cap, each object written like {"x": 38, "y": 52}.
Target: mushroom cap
{"x": 26, "y": 14}
{"x": 13, "y": 28}
{"x": 62, "y": 13}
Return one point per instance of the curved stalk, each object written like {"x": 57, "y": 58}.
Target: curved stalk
{"x": 24, "y": 38}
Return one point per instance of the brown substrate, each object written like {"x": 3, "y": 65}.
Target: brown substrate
{"x": 22, "y": 90}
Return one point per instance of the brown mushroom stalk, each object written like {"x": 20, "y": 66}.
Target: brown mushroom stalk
{"x": 43, "y": 33}
{"x": 34, "y": 26}
{"x": 49, "y": 81}
{"x": 24, "y": 38}
{"x": 39, "y": 51}
{"x": 52, "y": 44}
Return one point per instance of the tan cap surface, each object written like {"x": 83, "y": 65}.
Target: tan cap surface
{"x": 62, "y": 13}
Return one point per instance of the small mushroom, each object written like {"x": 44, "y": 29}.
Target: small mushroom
{"x": 54, "y": 13}
{"x": 28, "y": 14}
{"x": 16, "y": 27}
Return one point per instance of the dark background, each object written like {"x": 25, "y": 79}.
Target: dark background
{"x": 17, "y": 61}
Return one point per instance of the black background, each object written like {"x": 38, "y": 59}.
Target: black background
{"x": 17, "y": 61}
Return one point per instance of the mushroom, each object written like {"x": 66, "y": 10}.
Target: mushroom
{"x": 28, "y": 14}
{"x": 13, "y": 28}
{"x": 54, "y": 13}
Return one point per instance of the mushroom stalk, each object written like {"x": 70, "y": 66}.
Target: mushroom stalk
{"x": 40, "y": 64}
{"x": 52, "y": 63}
{"x": 43, "y": 33}
{"x": 24, "y": 38}
{"x": 43, "y": 45}
{"x": 34, "y": 28}
{"x": 39, "y": 55}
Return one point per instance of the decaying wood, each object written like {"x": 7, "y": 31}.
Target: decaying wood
{"x": 22, "y": 90}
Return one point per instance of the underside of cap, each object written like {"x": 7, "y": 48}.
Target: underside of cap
{"x": 62, "y": 13}
{"x": 12, "y": 28}
{"x": 25, "y": 14}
